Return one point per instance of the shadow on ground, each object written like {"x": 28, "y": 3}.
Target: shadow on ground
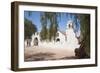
{"x": 44, "y": 57}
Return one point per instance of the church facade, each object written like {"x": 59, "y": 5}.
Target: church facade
{"x": 61, "y": 37}
{"x": 67, "y": 37}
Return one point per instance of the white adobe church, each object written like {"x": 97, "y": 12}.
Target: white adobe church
{"x": 63, "y": 39}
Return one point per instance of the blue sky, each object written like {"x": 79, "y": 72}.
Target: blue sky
{"x": 35, "y": 18}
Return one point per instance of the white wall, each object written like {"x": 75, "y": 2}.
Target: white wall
{"x": 5, "y": 37}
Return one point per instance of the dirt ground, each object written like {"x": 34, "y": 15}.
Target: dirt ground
{"x": 37, "y": 53}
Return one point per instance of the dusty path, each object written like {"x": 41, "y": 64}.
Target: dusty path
{"x": 44, "y": 53}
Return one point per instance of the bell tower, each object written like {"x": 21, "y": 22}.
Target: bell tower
{"x": 69, "y": 25}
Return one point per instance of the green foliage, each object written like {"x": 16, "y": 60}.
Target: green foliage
{"x": 50, "y": 19}
{"x": 85, "y": 32}
{"x": 43, "y": 33}
{"x": 29, "y": 28}
{"x": 85, "y": 24}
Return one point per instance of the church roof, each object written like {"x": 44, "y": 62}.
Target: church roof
{"x": 64, "y": 33}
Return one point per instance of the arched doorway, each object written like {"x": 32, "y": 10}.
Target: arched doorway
{"x": 57, "y": 40}
{"x": 36, "y": 41}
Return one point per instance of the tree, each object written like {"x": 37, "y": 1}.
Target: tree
{"x": 49, "y": 25}
{"x": 85, "y": 28}
{"x": 29, "y": 28}
{"x": 43, "y": 32}
{"x": 84, "y": 49}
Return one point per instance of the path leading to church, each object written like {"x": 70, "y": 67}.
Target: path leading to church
{"x": 38, "y": 53}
